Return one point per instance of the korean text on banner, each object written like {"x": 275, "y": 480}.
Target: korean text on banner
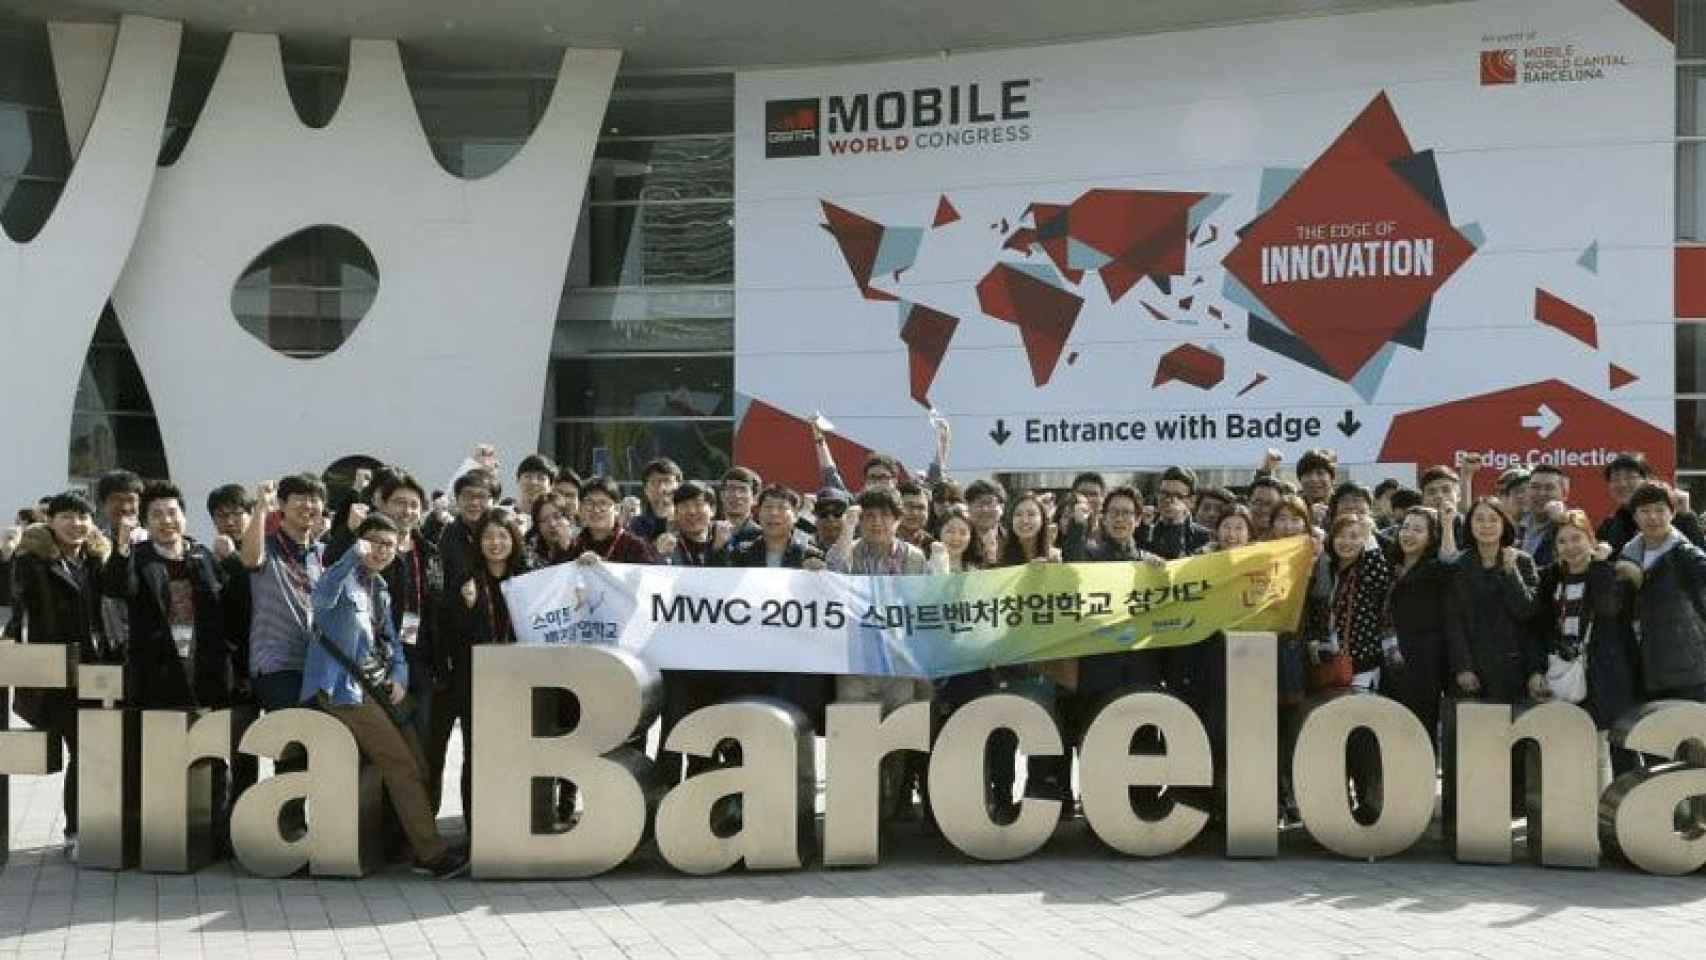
{"x": 698, "y": 618}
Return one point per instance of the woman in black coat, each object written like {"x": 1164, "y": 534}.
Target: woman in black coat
{"x": 1419, "y": 605}
{"x": 1493, "y": 650}
{"x": 56, "y": 589}
{"x": 1582, "y": 606}
{"x": 499, "y": 552}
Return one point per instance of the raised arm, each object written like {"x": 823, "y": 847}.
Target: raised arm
{"x": 254, "y": 546}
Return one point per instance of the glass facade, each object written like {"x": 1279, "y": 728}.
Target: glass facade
{"x": 304, "y": 295}
{"x": 642, "y": 356}
{"x": 642, "y": 364}
{"x": 113, "y": 424}
{"x": 1691, "y": 230}
{"x": 34, "y": 157}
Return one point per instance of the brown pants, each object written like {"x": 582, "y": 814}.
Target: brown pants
{"x": 397, "y": 756}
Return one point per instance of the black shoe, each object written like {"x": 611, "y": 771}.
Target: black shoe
{"x": 448, "y": 866}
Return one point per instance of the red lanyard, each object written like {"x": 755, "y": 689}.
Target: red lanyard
{"x": 415, "y": 570}
{"x": 295, "y": 570}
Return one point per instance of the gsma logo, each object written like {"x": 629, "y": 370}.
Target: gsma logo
{"x": 792, "y": 128}
{"x": 1498, "y": 67}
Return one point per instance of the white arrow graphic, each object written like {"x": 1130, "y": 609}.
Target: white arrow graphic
{"x": 1544, "y": 421}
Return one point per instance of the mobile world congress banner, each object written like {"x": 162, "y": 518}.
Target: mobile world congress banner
{"x": 1400, "y": 234}
{"x": 698, "y": 618}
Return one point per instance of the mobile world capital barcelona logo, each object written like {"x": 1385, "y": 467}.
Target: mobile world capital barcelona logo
{"x": 1537, "y": 60}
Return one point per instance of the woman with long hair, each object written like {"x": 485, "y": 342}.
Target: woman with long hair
{"x": 1349, "y": 636}
{"x": 1025, "y": 536}
{"x": 498, "y": 552}
{"x": 1582, "y": 600}
{"x": 1420, "y": 599}
{"x": 957, "y": 548}
{"x": 552, "y": 531}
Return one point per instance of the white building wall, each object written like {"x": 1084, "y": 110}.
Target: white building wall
{"x": 52, "y": 288}
{"x": 454, "y": 348}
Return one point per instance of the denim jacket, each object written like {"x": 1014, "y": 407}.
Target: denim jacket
{"x": 344, "y": 614}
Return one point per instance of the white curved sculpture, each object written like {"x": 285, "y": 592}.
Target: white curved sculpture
{"x": 454, "y": 348}
{"x": 52, "y": 288}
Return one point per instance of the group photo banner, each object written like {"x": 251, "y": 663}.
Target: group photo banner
{"x": 699, "y": 618}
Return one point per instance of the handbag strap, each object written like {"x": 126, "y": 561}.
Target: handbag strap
{"x": 380, "y": 697}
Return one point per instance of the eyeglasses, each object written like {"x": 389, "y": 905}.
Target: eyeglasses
{"x": 1166, "y": 494}
{"x": 831, "y": 510}
{"x": 600, "y": 505}
{"x": 1120, "y": 514}
{"x": 382, "y": 546}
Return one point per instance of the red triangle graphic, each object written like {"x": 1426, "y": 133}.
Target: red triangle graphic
{"x": 945, "y": 213}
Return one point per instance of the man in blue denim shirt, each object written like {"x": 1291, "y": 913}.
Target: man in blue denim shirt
{"x": 352, "y": 611}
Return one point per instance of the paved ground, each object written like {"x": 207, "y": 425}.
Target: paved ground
{"x": 1073, "y": 899}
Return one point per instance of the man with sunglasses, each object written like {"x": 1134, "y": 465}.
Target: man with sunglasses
{"x": 831, "y": 518}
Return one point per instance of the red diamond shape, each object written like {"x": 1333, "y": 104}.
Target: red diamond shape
{"x": 1345, "y": 320}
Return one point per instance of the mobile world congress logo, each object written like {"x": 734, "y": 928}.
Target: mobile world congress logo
{"x": 792, "y": 128}
{"x": 979, "y": 114}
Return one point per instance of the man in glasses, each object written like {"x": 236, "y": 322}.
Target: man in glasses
{"x": 739, "y": 497}
{"x": 1175, "y": 533}
{"x": 356, "y": 670}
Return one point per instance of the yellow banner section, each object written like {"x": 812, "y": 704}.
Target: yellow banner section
{"x": 1049, "y": 611}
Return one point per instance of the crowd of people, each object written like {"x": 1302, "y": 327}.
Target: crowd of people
{"x": 369, "y": 607}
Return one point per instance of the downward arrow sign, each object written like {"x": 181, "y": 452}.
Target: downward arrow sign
{"x": 1000, "y": 434}
{"x": 1544, "y": 421}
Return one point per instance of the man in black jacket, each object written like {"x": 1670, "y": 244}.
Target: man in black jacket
{"x": 178, "y": 657}
{"x": 1623, "y": 476}
{"x": 780, "y": 545}
{"x": 1670, "y": 600}
{"x": 1174, "y": 534}
{"x": 56, "y": 586}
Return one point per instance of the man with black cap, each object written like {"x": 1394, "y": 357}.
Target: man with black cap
{"x": 831, "y": 516}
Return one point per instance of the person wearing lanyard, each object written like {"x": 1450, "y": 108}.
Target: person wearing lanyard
{"x": 283, "y": 564}
{"x": 697, "y": 541}
{"x": 356, "y": 671}
{"x": 601, "y": 536}
{"x": 483, "y": 618}
{"x": 283, "y": 567}
{"x": 415, "y": 582}
{"x": 178, "y": 657}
